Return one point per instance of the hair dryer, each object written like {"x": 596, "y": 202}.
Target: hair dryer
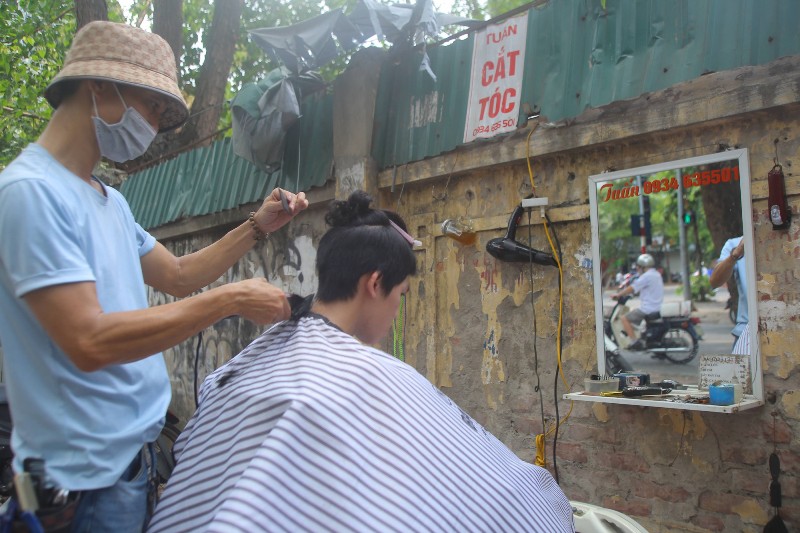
{"x": 508, "y": 249}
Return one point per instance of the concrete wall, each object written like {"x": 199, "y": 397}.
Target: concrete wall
{"x": 485, "y": 331}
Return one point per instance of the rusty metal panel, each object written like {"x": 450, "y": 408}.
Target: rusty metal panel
{"x": 212, "y": 179}
{"x": 580, "y": 56}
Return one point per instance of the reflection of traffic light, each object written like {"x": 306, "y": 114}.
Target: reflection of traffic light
{"x": 688, "y": 217}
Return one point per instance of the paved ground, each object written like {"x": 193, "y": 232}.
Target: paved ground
{"x": 716, "y": 338}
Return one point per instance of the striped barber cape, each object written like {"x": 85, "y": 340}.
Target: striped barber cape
{"x": 309, "y": 430}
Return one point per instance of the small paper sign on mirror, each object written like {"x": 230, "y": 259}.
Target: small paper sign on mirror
{"x": 726, "y": 368}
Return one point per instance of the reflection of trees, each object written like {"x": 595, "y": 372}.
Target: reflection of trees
{"x": 619, "y": 246}
{"x": 697, "y": 231}
{"x": 723, "y": 207}
{"x": 614, "y": 228}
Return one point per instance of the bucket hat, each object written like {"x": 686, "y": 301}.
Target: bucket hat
{"x": 120, "y": 53}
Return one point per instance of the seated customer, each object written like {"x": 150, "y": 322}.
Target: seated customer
{"x": 311, "y": 429}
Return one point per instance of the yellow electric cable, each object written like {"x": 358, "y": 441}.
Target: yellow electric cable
{"x": 528, "y": 157}
{"x": 540, "y": 438}
{"x": 540, "y": 461}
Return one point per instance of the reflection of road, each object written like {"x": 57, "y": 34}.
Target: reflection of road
{"x": 716, "y": 337}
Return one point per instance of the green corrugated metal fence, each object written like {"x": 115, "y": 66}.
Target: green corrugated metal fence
{"x": 212, "y": 179}
{"x": 577, "y": 56}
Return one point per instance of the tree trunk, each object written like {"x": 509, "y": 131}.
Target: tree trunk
{"x": 210, "y": 93}
{"x": 209, "y": 96}
{"x": 87, "y": 11}
{"x": 723, "y": 208}
{"x": 168, "y": 23}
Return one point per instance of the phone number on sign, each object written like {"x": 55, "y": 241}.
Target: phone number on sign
{"x": 506, "y": 123}
{"x": 711, "y": 177}
{"x": 698, "y": 179}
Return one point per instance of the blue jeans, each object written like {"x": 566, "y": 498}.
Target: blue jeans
{"x": 122, "y": 507}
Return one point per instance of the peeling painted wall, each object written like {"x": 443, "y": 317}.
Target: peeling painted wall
{"x": 672, "y": 470}
{"x": 493, "y": 334}
{"x": 484, "y": 331}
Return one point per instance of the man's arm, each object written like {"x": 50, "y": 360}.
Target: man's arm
{"x": 73, "y": 318}
{"x": 624, "y": 292}
{"x": 724, "y": 269}
{"x": 181, "y": 276}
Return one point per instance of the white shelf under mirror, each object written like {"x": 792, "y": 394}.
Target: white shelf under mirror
{"x": 668, "y": 401}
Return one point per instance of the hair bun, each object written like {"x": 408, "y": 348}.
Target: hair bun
{"x": 347, "y": 212}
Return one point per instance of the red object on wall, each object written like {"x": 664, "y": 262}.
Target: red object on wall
{"x": 779, "y": 213}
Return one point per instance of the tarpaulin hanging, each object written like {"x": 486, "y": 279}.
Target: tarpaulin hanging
{"x": 312, "y": 43}
{"x": 263, "y": 112}
{"x": 309, "y": 44}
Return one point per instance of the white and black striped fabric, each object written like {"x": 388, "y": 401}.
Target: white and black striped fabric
{"x": 309, "y": 430}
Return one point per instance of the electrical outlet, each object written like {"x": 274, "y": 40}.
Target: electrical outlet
{"x": 527, "y": 203}
{"x": 530, "y": 203}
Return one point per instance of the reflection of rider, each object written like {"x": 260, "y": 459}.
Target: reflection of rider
{"x": 650, "y": 288}
{"x": 731, "y": 264}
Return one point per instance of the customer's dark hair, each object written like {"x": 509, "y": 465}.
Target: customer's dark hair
{"x": 361, "y": 241}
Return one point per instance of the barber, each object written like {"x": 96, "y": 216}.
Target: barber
{"x": 87, "y": 385}
{"x": 730, "y": 265}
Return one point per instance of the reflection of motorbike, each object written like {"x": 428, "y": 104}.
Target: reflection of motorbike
{"x": 675, "y": 336}
{"x": 615, "y": 363}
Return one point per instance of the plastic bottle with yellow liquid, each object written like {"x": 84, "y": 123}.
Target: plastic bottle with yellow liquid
{"x": 460, "y": 230}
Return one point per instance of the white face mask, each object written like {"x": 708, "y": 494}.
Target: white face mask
{"x": 127, "y": 139}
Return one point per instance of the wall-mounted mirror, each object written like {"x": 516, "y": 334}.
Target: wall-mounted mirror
{"x": 688, "y": 217}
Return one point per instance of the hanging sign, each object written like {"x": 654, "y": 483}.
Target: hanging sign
{"x": 498, "y": 60}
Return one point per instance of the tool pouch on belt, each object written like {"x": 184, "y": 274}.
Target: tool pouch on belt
{"x": 52, "y": 519}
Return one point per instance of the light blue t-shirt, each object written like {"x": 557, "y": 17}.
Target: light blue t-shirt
{"x": 740, "y": 273}
{"x": 54, "y": 229}
{"x": 650, "y": 288}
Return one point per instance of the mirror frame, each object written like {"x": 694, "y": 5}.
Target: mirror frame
{"x": 747, "y": 227}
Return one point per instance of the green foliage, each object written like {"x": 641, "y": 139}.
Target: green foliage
{"x": 34, "y": 36}
{"x": 250, "y": 62}
{"x": 618, "y": 246}
{"x": 701, "y": 238}
{"x": 484, "y": 10}
{"x": 700, "y": 287}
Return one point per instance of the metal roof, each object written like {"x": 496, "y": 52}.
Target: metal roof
{"x": 578, "y": 56}
{"x": 212, "y": 179}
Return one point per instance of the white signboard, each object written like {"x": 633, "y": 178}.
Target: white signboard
{"x": 498, "y": 60}
{"x": 725, "y": 368}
